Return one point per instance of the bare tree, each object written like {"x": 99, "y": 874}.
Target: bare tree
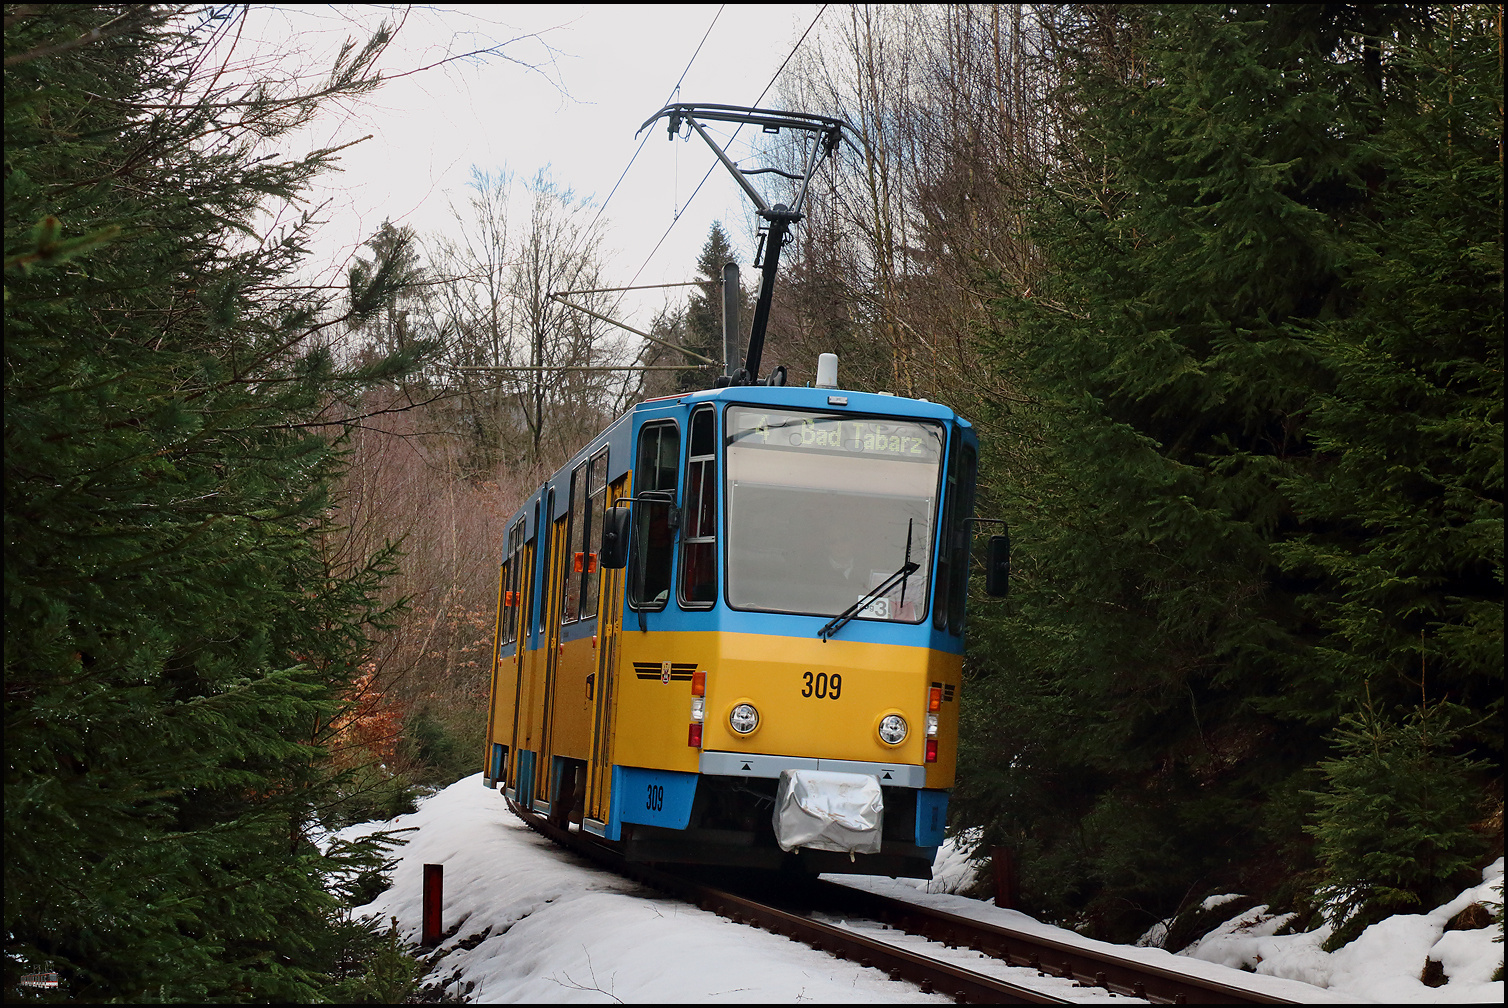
{"x": 514, "y": 247}
{"x": 957, "y": 109}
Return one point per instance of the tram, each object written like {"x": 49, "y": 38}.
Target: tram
{"x": 730, "y": 630}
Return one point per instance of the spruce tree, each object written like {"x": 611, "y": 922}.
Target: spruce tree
{"x": 178, "y": 639}
{"x": 1211, "y": 392}
{"x": 702, "y": 329}
{"x": 1403, "y": 501}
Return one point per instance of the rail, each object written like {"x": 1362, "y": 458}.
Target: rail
{"x": 1072, "y": 963}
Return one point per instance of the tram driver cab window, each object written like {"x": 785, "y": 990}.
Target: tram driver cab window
{"x": 698, "y": 582}
{"x": 656, "y": 516}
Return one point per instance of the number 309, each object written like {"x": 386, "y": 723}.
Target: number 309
{"x": 822, "y": 685}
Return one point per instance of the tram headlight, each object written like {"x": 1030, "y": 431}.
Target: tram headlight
{"x": 893, "y": 729}
{"x": 743, "y": 718}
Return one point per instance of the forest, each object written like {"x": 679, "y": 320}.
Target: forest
{"x": 1220, "y": 285}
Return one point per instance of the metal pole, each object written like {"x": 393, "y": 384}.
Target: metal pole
{"x": 584, "y": 367}
{"x": 434, "y": 879}
{"x": 636, "y": 332}
{"x": 1003, "y": 861}
{"x": 738, "y": 176}
{"x": 732, "y": 295}
{"x": 781, "y": 218}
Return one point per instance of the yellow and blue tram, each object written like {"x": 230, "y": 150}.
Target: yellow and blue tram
{"x": 731, "y": 608}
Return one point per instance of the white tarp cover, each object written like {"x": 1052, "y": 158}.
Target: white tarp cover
{"x": 829, "y": 811}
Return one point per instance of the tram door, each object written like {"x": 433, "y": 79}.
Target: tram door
{"x": 494, "y": 695}
{"x": 554, "y": 576}
{"x": 604, "y": 679}
{"x": 524, "y": 607}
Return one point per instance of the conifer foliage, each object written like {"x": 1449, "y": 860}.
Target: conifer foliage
{"x": 178, "y": 640}
{"x": 1257, "y": 458}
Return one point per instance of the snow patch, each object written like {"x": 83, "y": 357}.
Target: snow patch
{"x": 542, "y": 925}
{"x": 1384, "y": 963}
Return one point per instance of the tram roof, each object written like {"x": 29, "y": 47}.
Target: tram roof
{"x": 822, "y": 399}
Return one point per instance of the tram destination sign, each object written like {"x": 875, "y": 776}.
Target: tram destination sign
{"x": 872, "y": 437}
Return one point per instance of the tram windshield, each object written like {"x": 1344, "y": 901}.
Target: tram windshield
{"x": 823, "y": 509}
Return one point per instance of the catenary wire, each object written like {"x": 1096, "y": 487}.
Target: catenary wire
{"x": 687, "y": 204}
{"x": 647, "y": 135}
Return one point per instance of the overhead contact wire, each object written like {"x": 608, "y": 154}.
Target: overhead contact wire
{"x": 647, "y": 135}
{"x": 676, "y": 219}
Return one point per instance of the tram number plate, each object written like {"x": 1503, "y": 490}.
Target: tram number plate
{"x": 822, "y": 686}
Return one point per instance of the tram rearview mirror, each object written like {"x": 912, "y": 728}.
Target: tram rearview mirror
{"x": 614, "y": 552}
{"x": 997, "y": 566}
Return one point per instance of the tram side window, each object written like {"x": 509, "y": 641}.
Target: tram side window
{"x": 596, "y": 482}
{"x": 574, "y": 565}
{"x": 655, "y": 473}
{"x": 511, "y": 583}
{"x": 698, "y": 585}
{"x": 953, "y": 558}
{"x": 540, "y": 596}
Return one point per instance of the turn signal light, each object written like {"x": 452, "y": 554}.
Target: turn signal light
{"x": 934, "y": 699}
{"x": 699, "y": 683}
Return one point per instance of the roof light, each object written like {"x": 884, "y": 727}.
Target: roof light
{"x": 827, "y": 371}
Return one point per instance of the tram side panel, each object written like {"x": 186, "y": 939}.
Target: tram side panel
{"x": 494, "y": 749}
{"x": 603, "y": 684}
{"x": 654, "y": 698}
{"x": 528, "y": 721}
{"x": 510, "y": 637}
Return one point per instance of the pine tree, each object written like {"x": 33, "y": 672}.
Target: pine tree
{"x": 702, "y": 328}
{"x": 1393, "y": 828}
{"x": 177, "y": 640}
{"x": 1197, "y": 390}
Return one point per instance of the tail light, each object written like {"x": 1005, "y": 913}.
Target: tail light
{"x": 698, "y": 708}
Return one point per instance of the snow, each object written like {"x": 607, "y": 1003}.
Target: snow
{"x": 546, "y": 926}
{"x": 1384, "y": 964}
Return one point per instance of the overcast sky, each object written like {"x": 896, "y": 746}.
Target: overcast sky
{"x": 599, "y": 71}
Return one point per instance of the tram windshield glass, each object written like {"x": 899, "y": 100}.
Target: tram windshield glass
{"x": 822, "y": 509}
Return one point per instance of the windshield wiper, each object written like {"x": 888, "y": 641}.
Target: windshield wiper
{"x": 841, "y": 620}
{"x": 908, "y": 568}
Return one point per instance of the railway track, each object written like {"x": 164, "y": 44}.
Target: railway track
{"x": 795, "y": 914}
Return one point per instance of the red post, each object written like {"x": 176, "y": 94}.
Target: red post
{"x": 1004, "y": 864}
{"x": 434, "y": 878}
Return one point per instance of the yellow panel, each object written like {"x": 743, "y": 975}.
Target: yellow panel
{"x": 572, "y": 730}
{"x": 605, "y": 684}
{"x": 531, "y": 718}
{"x": 792, "y": 682}
{"x": 653, "y": 716}
{"x": 492, "y": 693}
{"x": 507, "y": 692}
